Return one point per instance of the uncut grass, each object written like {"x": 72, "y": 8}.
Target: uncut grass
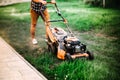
{"x": 92, "y": 21}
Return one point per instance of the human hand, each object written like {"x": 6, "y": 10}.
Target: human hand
{"x": 43, "y": 2}
{"x": 53, "y": 1}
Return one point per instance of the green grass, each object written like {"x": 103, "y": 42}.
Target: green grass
{"x": 97, "y": 27}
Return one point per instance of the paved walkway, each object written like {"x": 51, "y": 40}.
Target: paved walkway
{"x": 15, "y": 67}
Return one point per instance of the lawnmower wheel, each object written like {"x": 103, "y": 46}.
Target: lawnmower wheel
{"x": 52, "y": 48}
{"x": 91, "y": 56}
{"x": 68, "y": 56}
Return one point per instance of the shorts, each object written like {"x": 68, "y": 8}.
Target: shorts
{"x": 35, "y": 16}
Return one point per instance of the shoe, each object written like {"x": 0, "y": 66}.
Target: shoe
{"x": 34, "y": 41}
{"x": 46, "y": 40}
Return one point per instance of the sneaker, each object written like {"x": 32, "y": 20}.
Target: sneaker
{"x": 34, "y": 41}
{"x": 46, "y": 40}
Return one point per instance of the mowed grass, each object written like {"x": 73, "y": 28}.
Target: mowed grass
{"x": 97, "y": 27}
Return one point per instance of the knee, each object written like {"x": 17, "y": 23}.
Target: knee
{"x": 47, "y": 24}
{"x": 33, "y": 25}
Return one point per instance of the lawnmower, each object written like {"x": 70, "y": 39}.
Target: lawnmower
{"x": 64, "y": 44}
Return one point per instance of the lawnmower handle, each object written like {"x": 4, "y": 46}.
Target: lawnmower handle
{"x": 56, "y": 20}
{"x": 63, "y": 19}
{"x": 50, "y": 3}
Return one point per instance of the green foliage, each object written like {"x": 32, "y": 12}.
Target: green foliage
{"x": 68, "y": 0}
{"x": 108, "y": 3}
{"x": 93, "y": 2}
{"x": 113, "y": 3}
{"x": 100, "y": 31}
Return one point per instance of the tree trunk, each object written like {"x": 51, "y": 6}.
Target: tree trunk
{"x": 103, "y": 3}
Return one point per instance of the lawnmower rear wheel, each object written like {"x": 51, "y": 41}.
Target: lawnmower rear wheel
{"x": 52, "y": 48}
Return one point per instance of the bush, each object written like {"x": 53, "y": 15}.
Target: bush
{"x": 108, "y": 3}
{"x": 93, "y": 2}
{"x": 113, "y": 3}
{"x": 69, "y": 0}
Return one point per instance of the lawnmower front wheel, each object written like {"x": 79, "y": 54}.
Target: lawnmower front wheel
{"x": 91, "y": 56}
{"x": 68, "y": 56}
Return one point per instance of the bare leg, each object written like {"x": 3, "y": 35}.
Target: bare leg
{"x": 32, "y": 30}
{"x": 34, "y": 18}
{"x": 47, "y": 18}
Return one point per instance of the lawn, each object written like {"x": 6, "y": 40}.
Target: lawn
{"x": 98, "y": 28}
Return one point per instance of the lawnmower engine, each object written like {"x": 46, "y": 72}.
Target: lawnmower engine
{"x": 73, "y": 45}
{"x": 67, "y": 47}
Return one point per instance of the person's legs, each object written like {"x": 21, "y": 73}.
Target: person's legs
{"x": 46, "y": 18}
{"x": 34, "y": 18}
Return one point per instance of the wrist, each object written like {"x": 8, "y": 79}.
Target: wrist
{"x": 53, "y": 1}
{"x": 40, "y": 0}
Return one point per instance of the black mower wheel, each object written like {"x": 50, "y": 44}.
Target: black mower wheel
{"x": 52, "y": 48}
{"x": 68, "y": 56}
{"x": 91, "y": 56}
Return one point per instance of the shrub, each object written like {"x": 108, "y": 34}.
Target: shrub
{"x": 93, "y": 2}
